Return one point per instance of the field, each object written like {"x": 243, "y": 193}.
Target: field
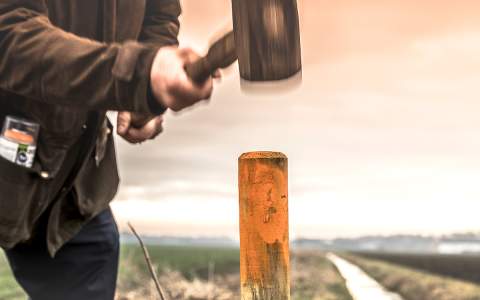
{"x": 464, "y": 267}
{"x": 202, "y": 273}
{"x": 9, "y": 289}
{"x": 212, "y": 273}
{"x": 197, "y": 273}
{"x": 414, "y": 284}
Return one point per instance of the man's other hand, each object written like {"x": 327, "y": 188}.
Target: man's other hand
{"x": 171, "y": 85}
{"x": 150, "y": 128}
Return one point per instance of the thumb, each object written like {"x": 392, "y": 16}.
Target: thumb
{"x": 123, "y": 122}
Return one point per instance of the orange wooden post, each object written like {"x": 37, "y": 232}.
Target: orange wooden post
{"x": 264, "y": 242}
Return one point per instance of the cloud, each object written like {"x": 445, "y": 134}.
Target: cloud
{"x": 382, "y": 136}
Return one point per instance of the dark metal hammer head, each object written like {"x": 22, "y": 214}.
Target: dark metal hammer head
{"x": 267, "y": 37}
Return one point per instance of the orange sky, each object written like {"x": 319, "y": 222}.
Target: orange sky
{"x": 383, "y": 135}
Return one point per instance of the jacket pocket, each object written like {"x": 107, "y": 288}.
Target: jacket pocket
{"x": 13, "y": 173}
{"x": 23, "y": 195}
{"x": 60, "y": 128}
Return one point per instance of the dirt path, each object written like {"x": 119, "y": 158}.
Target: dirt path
{"x": 360, "y": 285}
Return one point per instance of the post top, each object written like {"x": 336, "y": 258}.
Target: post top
{"x": 262, "y": 155}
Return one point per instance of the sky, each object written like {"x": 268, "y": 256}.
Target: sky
{"x": 382, "y": 136}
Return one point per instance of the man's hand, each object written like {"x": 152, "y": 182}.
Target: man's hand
{"x": 127, "y": 128}
{"x": 170, "y": 84}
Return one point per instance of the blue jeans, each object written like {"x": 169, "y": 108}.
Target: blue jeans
{"x": 85, "y": 268}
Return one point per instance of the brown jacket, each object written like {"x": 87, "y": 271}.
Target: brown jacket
{"x": 63, "y": 64}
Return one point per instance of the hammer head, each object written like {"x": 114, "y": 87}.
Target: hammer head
{"x": 267, "y": 37}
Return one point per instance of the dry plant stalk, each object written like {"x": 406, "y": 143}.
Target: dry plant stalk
{"x": 149, "y": 263}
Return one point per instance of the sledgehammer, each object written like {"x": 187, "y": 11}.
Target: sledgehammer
{"x": 265, "y": 40}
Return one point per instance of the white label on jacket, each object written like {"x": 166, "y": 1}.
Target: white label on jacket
{"x": 20, "y": 154}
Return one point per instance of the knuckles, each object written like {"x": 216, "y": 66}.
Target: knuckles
{"x": 170, "y": 83}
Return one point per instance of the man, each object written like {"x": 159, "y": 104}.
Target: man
{"x": 63, "y": 64}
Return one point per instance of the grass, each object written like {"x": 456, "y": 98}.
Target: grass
{"x": 191, "y": 262}
{"x": 203, "y": 273}
{"x": 9, "y": 289}
{"x": 185, "y": 272}
{"x": 414, "y": 284}
{"x": 212, "y": 273}
{"x": 464, "y": 267}
{"x": 315, "y": 277}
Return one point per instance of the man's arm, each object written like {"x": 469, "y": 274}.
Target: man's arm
{"x": 160, "y": 28}
{"x": 44, "y": 63}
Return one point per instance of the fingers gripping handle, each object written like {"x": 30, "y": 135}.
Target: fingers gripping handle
{"x": 140, "y": 120}
{"x": 221, "y": 54}
{"x": 199, "y": 71}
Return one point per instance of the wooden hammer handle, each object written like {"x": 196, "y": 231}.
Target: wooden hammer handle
{"x": 221, "y": 54}
{"x": 200, "y": 70}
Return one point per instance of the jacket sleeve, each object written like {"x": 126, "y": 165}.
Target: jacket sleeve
{"x": 42, "y": 62}
{"x": 161, "y": 25}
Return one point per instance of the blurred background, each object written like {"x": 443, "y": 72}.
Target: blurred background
{"x": 382, "y": 136}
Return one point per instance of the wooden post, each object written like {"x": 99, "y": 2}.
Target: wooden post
{"x": 264, "y": 242}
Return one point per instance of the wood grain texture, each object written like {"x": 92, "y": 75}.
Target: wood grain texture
{"x": 264, "y": 240}
{"x": 221, "y": 54}
{"x": 267, "y": 35}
